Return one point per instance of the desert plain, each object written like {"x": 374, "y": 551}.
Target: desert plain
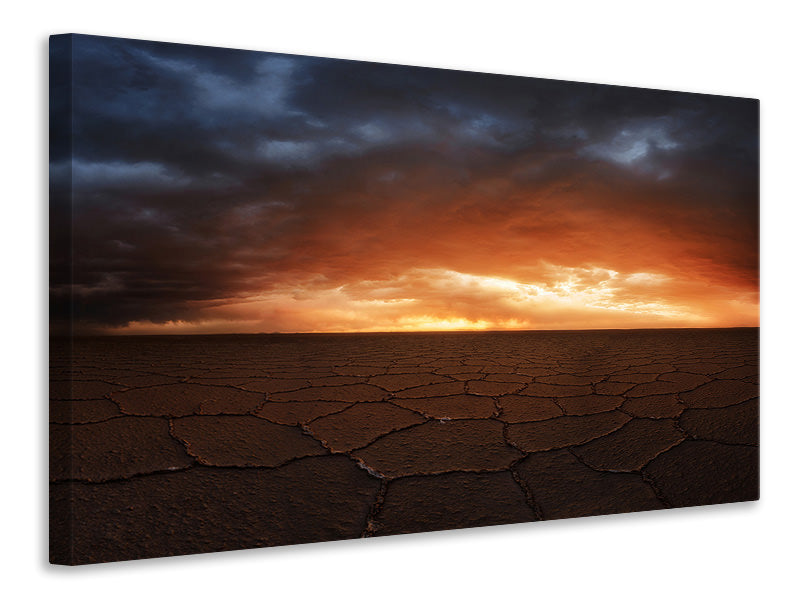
{"x": 170, "y": 445}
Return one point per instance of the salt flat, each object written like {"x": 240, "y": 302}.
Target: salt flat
{"x": 171, "y": 445}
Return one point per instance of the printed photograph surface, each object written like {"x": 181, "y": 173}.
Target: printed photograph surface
{"x": 299, "y": 299}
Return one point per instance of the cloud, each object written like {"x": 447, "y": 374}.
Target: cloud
{"x": 433, "y": 299}
{"x": 232, "y": 190}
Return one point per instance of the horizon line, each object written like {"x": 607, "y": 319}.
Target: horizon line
{"x": 424, "y": 332}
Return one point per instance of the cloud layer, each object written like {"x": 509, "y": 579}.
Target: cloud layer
{"x": 214, "y": 190}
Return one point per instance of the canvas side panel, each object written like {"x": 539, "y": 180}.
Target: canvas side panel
{"x": 60, "y": 309}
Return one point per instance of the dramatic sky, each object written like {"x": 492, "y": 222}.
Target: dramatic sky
{"x": 227, "y": 191}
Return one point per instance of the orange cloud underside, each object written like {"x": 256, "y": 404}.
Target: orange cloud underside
{"x": 493, "y": 254}
{"x": 442, "y": 300}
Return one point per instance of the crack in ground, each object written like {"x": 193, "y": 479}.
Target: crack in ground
{"x": 370, "y": 524}
{"x": 530, "y": 499}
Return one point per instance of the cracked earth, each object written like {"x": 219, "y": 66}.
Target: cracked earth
{"x": 178, "y": 445}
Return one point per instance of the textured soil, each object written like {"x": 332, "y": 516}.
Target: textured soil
{"x": 183, "y": 444}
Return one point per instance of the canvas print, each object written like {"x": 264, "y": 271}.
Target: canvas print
{"x": 299, "y": 299}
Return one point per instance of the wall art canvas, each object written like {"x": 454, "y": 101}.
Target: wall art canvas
{"x": 299, "y": 299}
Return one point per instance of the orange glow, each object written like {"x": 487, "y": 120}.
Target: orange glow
{"x": 446, "y": 300}
{"x": 607, "y": 251}
{"x": 290, "y": 194}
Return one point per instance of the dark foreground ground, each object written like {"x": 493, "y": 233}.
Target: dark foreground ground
{"x": 174, "y": 445}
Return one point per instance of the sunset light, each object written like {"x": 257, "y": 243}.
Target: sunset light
{"x": 297, "y": 201}
{"x": 444, "y": 300}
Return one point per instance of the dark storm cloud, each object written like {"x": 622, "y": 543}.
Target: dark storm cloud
{"x": 202, "y": 174}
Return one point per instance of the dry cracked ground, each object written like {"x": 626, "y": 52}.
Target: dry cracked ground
{"x": 174, "y": 445}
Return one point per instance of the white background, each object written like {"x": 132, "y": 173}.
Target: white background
{"x": 733, "y": 48}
